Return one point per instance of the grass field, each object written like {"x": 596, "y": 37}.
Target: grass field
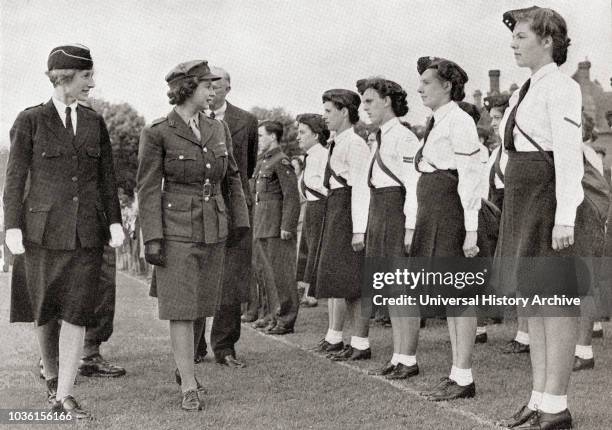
{"x": 285, "y": 387}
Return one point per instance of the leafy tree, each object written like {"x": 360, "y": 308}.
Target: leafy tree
{"x": 289, "y": 142}
{"x": 124, "y": 127}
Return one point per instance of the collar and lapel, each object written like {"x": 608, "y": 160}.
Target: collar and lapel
{"x": 182, "y": 129}
{"x": 85, "y": 122}
{"x": 234, "y": 118}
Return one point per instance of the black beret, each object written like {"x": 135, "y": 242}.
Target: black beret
{"x": 70, "y": 57}
{"x": 446, "y": 68}
{"x": 197, "y": 69}
{"x": 471, "y": 110}
{"x": 346, "y": 98}
{"x": 314, "y": 121}
{"x": 496, "y": 101}
{"x": 390, "y": 87}
{"x": 512, "y": 16}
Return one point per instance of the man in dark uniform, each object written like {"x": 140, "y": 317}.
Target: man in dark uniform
{"x": 238, "y": 280}
{"x": 277, "y": 209}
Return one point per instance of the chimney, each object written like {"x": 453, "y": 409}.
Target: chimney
{"x": 584, "y": 71}
{"x": 494, "y": 82}
{"x": 478, "y": 99}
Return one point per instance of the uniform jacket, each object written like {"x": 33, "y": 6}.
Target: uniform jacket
{"x": 186, "y": 209}
{"x": 277, "y": 201}
{"x": 71, "y": 190}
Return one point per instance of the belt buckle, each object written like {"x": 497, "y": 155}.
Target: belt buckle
{"x": 207, "y": 189}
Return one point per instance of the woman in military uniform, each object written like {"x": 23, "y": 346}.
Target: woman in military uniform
{"x": 185, "y": 170}
{"x": 60, "y": 203}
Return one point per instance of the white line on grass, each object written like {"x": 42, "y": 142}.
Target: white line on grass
{"x": 398, "y": 385}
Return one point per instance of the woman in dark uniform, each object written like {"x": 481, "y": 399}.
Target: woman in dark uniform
{"x": 312, "y": 137}
{"x": 543, "y": 190}
{"x": 61, "y": 206}
{"x": 448, "y": 195}
{"x": 185, "y": 170}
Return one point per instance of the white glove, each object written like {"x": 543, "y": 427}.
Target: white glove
{"x": 14, "y": 241}
{"x": 117, "y": 235}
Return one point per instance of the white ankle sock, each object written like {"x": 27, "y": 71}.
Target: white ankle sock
{"x": 597, "y": 326}
{"x": 407, "y": 360}
{"x": 70, "y": 349}
{"x": 463, "y": 377}
{"x": 395, "y": 359}
{"x": 481, "y": 330}
{"x": 333, "y": 336}
{"x": 453, "y": 374}
{"x": 552, "y": 404}
{"x": 522, "y": 337}
{"x": 535, "y": 401}
{"x": 584, "y": 351}
{"x": 361, "y": 343}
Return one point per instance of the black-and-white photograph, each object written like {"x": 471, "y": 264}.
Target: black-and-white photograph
{"x": 291, "y": 214}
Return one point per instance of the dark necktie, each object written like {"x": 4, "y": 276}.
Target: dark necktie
{"x": 302, "y": 182}
{"x": 419, "y": 155}
{"x": 69, "y": 121}
{"x": 212, "y": 114}
{"x": 509, "y": 130}
{"x": 327, "y": 174}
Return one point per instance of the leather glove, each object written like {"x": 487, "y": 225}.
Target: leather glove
{"x": 117, "y": 235}
{"x": 235, "y": 236}
{"x": 154, "y": 252}
{"x": 14, "y": 241}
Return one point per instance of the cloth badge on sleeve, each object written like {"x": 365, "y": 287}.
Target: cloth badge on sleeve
{"x": 572, "y": 122}
{"x": 408, "y": 159}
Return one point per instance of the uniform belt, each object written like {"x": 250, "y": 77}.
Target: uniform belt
{"x": 204, "y": 189}
{"x": 261, "y": 197}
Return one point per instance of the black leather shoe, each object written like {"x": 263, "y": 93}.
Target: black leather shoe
{"x": 454, "y": 391}
{"x": 514, "y": 347}
{"x": 481, "y": 338}
{"x": 199, "y": 358}
{"x": 260, "y": 323}
{"x": 444, "y": 382}
{"x": 268, "y": 327}
{"x": 597, "y": 334}
{"x": 70, "y": 406}
{"x": 544, "y": 421}
{"x": 51, "y": 389}
{"x": 343, "y": 353}
{"x": 583, "y": 364}
{"x": 324, "y": 347}
{"x": 179, "y": 381}
{"x": 355, "y": 354}
{"x": 382, "y": 371}
{"x": 41, "y": 369}
{"x": 231, "y": 361}
{"x": 521, "y": 416}
{"x": 402, "y": 371}
{"x": 248, "y": 318}
{"x": 96, "y": 365}
{"x": 279, "y": 329}
{"x": 191, "y": 401}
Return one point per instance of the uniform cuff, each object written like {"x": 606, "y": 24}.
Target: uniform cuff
{"x": 471, "y": 220}
{"x": 565, "y": 216}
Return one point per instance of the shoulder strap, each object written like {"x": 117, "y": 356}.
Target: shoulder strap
{"x": 385, "y": 170}
{"x": 547, "y": 157}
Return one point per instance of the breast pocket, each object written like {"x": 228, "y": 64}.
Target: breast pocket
{"x": 221, "y": 158}
{"x": 36, "y": 221}
{"x": 177, "y": 215}
{"x": 181, "y": 165}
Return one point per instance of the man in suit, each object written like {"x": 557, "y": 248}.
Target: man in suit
{"x": 238, "y": 282}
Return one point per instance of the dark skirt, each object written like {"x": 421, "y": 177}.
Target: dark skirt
{"x": 525, "y": 262}
{"x": 339, "y": 268}
{"x": 386, "y": 223}
{"x": 496, "y": 196}
{"x": 312, "y": 226}
{"x": 440, "y": 229}
{"x": 61, "y": 284}
{"x": 189, "y": 286}
{"x": 21, "y": 305}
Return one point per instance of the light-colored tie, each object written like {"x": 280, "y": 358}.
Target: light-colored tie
{"x": 194, "y": 128}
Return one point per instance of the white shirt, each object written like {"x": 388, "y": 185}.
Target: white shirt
{"x": 219, "y": 113}
{"x": 551, "y": 113}
{"x": 61, "y": 110}
{"x": 593, "y": 159}
{"x": 351, "y": 160}
{"x": 503, "y": 161}
{"x": 398, "y": 147}
{"x": 314, "y": 171}
{"x": 453, "y": 145}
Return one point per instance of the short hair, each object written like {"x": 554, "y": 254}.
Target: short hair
{"x": 447, "y": 71}
{"x": 471, "y": 110}
{"x": 61, "y": 76}
{"x": 497, "y": 101}
{"x": 222, "y": 72}
{"x": 274, "y": 127}
{"x": 386, "y": 88}
{"x": 316, "y": 124}
{"x": 546, "y": 22}
{"x": 344, "y": 99}
{"x": 182, "y": 89}
{"x": 588, "y": 128}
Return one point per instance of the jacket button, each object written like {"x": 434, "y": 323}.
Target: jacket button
{"x": 74, "y": 157}
{"x": 75, "y": 199}
{"x": 74, "y": 179}
{"x": 205, "y": 149}
{"x": 169, "y": 205}
{"x": 44, "y": 153}
{"x": 206, "y": 199}
{"x": 181, "y": 157}
{"x": 208, "y": 165}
